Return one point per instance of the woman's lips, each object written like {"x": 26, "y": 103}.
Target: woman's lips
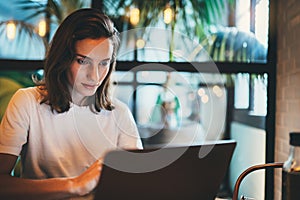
{"x": 89, "y": 86}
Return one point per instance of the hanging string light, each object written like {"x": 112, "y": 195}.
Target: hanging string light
{"x": 11, "y": 30}
{"x": 42, "y": 28}
{"x": 134, "y": 16}
{"x": 140, "y": 43}
{"x": 168, "y": 14}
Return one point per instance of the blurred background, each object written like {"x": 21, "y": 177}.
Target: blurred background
{"x": 190, "y": 70}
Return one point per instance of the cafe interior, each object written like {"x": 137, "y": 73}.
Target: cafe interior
{"x": 221, "y": 70}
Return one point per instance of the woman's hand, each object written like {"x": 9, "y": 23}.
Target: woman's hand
{"x": 87, "y": 181}
{"x": 46, "y": 189}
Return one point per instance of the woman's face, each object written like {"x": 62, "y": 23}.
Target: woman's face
{"x": 90, "y": 67}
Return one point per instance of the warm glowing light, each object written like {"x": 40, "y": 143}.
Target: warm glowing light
{"x": 140, "y": 43}
{"x": 168, "y": 15}
{"x": 134, "y": 16}
{"x": 204, "y": 99}
{"x": 218, "y": 91}
{"x": 42, "y": 30}
{"x": 201, "y": 92}
{"x": 11, "y": 30}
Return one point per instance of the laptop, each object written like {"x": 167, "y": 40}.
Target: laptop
{"x": 169, "y": 173}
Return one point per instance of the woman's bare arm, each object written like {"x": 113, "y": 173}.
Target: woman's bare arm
{"x": 53, "y": 188}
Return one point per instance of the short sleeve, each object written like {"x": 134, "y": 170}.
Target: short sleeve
{"x": 15, "y": 124}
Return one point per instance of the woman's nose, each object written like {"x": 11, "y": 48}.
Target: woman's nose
{"x": 93, "y": 73}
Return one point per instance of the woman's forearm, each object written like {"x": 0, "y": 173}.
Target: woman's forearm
{"x": 20, "y": 188}
{"x": 53, "y": 188}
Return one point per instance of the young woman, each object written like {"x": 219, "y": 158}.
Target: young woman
{"x": 62, "y": 127}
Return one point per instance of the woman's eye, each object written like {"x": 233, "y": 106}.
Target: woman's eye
{"x": 82, "y": 61}
{"x": 104, "y": 63}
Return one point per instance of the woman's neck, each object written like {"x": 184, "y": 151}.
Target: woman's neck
{"x": 78, "y": 99}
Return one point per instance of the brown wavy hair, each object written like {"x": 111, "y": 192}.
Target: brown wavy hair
{"x": 81, "y": 24}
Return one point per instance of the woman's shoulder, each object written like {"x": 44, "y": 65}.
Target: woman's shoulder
{"x": 32, "y": 93}
{"x": 120, "y": 107}
{"x": 25, "y": 99}
{"x": 118, "y": 104}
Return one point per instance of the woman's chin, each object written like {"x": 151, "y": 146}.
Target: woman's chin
{"x": 88, "y": 94}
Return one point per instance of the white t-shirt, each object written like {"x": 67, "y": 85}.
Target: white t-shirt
{"x": 62, "y": 144}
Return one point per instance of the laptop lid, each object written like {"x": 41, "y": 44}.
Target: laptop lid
{"x": 171, "y": 173}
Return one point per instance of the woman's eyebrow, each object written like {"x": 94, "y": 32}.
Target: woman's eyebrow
{"x": 106, "y": 59}
{"x": 86, "y": 57}
{"x": 83, "y": 56}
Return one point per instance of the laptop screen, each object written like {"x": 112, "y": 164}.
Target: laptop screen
{"x": 186, "y": 172}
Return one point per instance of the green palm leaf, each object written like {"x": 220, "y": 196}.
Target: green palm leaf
{"x": 53, "y": 8}
{"x": 8, "y": 88}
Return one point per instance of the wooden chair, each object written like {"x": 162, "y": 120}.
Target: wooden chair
{"x": 248, "y": 171}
